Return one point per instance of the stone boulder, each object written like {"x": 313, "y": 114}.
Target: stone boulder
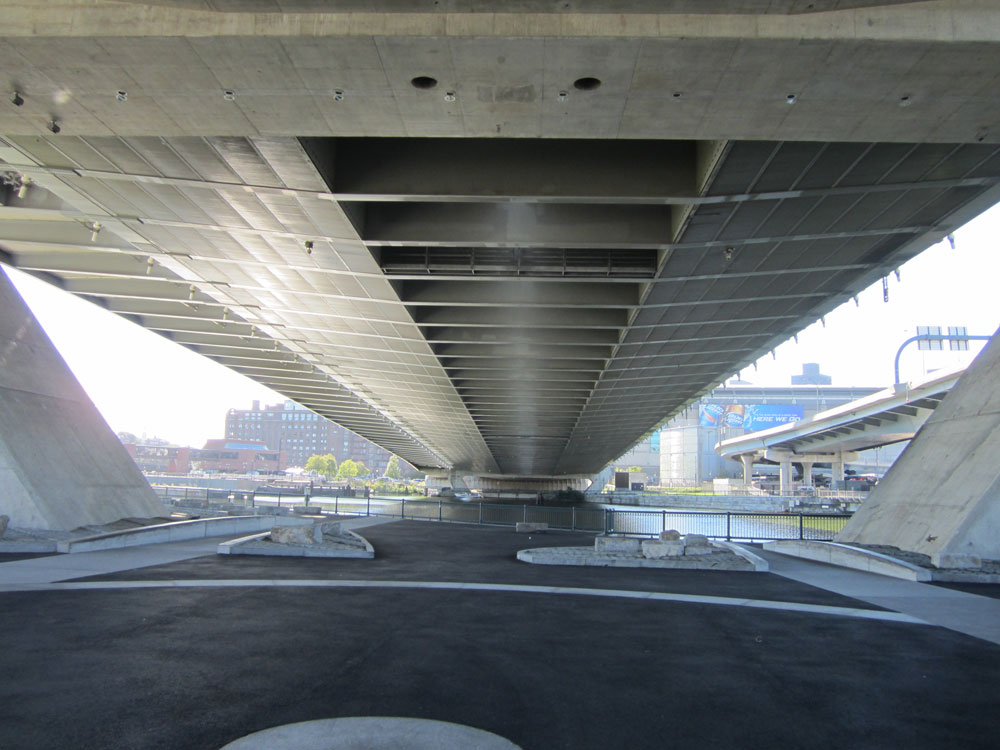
{"x": 331, "y": 528}
{"x": 617, "y": 545}
{"x": 297, "y": 534}
{"x": 698, "y": 550}
{"x": 670, "y": 535}
{"x": 697, "y": 544}
{"x": 655, "y": 549}
{"x": 697, "y": 540}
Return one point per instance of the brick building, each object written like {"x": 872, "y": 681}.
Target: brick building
{"x": 156, "y": 458}
{"x": 234, "y": 457}
{"x": 218, "y": 456}
{"x": 301, "y": 433}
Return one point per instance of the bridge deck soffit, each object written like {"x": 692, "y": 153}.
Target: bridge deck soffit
{"x": 537, "y": 328}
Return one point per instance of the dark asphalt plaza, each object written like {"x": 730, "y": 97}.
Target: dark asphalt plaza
{"x": 189, "y": 666}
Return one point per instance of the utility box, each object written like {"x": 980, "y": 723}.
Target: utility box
{"x": 621, "y": 480}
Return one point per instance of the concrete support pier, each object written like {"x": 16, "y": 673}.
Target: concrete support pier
{"x": 807, "y": 473}
{"x": 837, "y": 472}
{"x": 747, "y": 461}
{"x": 61, "y": 466}
{"x": 942, "y": 496}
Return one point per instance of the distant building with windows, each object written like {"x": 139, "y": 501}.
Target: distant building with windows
{"x": 300, "y": 433}
{"x": 646, "y": 455}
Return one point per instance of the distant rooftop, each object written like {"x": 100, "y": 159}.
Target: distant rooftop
{"x": 811, "y": 376}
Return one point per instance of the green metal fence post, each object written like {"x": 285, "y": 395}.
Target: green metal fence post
{"x": 800, "y": 527}
{"x": 574, "y": 518}
{"x": 524, "y": 514}
{"x": 480, "y": 512}
{"x": 402, "y": 508}
{"x": 440, "y": 517}
{"x": 728, "y": 526}
{"x": 664, "y": 525}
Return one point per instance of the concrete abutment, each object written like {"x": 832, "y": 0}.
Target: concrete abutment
{"x": 61, "y": 466}
{"x": 942, "y": 496}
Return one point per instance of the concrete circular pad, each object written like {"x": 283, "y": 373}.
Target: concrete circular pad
{"x": 372, "y": 733}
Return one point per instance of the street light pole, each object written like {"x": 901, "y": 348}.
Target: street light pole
{"x": 934, "y": 337}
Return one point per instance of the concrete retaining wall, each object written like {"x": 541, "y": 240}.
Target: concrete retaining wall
{"x": 180, "y": 531}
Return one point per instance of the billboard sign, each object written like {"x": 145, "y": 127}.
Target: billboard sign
{"x": 750, "y": 417}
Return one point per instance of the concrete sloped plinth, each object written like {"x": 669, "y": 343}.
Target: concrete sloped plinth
{"x": 625, "y": 552}
{"x": 892, "y": 562}
{"x": 846, "y": 556}
{"x": 176, "y": 531}
{"x": 324, "y": 540}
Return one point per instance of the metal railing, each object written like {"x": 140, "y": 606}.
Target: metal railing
{"x": 728, "y": 525}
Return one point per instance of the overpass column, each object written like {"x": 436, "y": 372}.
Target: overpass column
{"x": 747, "y": 460}
{"x": 837, "y": 472}
{"x": 785, "y": 475}
{"x": 807, "y": 473}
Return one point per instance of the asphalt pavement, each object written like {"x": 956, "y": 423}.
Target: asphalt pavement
{"x": 183, "y": 661}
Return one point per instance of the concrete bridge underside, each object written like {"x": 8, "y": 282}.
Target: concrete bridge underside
{"x": 509, "y": 241}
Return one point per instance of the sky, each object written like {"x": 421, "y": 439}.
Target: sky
{"x": 147, "y": 385}
{"x": 943, "y": 286}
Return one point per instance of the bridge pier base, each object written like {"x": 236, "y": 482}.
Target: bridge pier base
{"x": 61, "y": 466}
{"x": 499, "y": 485}
{"x": 942, "y": 496}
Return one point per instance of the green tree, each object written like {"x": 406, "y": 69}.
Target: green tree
{"x": 349, "y": 468}
{"x": 634, "y": 469}
{"x": 325, "y": 465}
{"x": 392, "y": 470}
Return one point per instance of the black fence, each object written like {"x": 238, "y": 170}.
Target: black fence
{"x": 739, "y": 526}
{"x": 718, "y": 525}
